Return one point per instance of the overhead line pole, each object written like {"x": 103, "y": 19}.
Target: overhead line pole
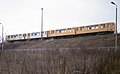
{"x": 2, "y": 37}
{"x": 41, "y": 23}
{"x": 115, "y": 27}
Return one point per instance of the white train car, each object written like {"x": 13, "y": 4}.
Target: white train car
{"x": 16, "y": 37}
{"x": 26, "y": 36}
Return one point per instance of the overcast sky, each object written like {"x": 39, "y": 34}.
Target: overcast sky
{"x": 24, "y": 16}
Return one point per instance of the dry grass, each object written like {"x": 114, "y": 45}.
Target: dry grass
{"x": 60, "y": 61}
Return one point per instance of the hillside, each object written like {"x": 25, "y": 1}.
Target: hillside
{"x": 77, "y": 42}
{"x": 80, "y": 55}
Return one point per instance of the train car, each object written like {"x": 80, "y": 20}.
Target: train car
{"x": 17, "y": 37}
{"x": 25, "y": 36}
{"x": 96, "y": 28}
{"x": 61, "y": 32}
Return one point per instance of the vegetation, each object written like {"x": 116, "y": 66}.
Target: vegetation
{"x": 60, "y": 61}
{"x": 82, "y": 55}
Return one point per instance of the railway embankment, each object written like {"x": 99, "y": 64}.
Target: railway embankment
{"x": 80, "y": 55}
{"x": 78, "y": 42}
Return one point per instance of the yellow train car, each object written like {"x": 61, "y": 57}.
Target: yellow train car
{"x": 96, "y": 28}
{"x": 61, "y": 32}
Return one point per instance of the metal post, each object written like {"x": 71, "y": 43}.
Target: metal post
{"x": 115, "y": 27}
{"x": 116, "y": 30}
{"x": 41, "y": 23}
{"x": 2, "y": 37}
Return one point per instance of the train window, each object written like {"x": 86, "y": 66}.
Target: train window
{"x": 20, "y": 34}
{"x": 77, "y": 29}
{"x": 102, "y": 25}
{"x": 38, "y": 33}
{"x": 16, "y": 36}
{"x": 93, "y": 27}
{"x": 8, "y": 36}
{"x": 57, "y": 31}
{"x": 69, "y": 29}
{"x": 81, "y": 28}
{"x": 88, "y": 27}
{"x": 34, "y": 34}
{"x": 108, "y": 25}
{"x": 28, "y": 34}
{"x": 63, "y": 30}
{"x": 96, "y": 26}
{"x": 13, "y": 36}
{"x": 24, "y": 35}
{"x": 73, "y": 29}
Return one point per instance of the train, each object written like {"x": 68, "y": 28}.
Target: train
{"x": 108, "y": 27}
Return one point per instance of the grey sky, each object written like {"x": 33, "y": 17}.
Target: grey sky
{"x": 23, "y": 16}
